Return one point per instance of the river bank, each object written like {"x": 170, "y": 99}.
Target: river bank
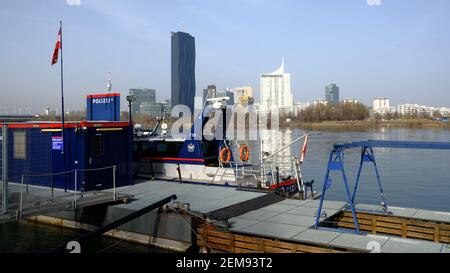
{"x": 364, "y": 125}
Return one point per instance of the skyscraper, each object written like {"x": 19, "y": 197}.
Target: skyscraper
{"x": 332, "y": 93}
{"x": 143, "y": 96}
{"x": 276, "y": 90}
{"x": 183, "y": 69}
{"x": 209, "y": 93}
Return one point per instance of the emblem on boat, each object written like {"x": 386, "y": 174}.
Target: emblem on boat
{"x": 191, "y": 147}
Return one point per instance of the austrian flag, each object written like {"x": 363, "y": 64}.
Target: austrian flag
{"x": 58, "y": 46}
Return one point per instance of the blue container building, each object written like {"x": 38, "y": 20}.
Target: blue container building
{"x": 37, "y": 151}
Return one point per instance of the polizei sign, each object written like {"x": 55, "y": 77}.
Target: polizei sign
{"x": 103, "y": 107}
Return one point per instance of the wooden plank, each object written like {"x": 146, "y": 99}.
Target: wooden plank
{"x": 246, "y": 239}
{"x": 358, "y": 215}
{"x": 437, "y": 236}
{"x": 390, "y": 219}
{"x": 352, "y": 225}
{"x": 246, "y": 246}
{"x": 444, "y": 227}
{"x": 232, "y": 243}
{"x": 269, "y": 249}
{"x": 261, "y": 245}
{"x": 244, "y": 251}
{"x": 211, "y": 227}
{"x": 420, "y": 229}
{"x": 224, "y": 235}
{"x": 404, "y": 228}
{"x": 313, "y": 249}
{"x": 420, "y": 223}
{"x": 389, "y": 231}
{"x": 374, "y": 225}
{"x": 204, "y": 233}
{"x": 278, "y": 244}
{"x": 350, "y": 220}
{"x": 444, "y": 239}
{"x": 389, "y": 225}
{"x": 429, "y": 237}
{"x": 218, "y": 240}
{"x": 219, "y": 247}
{"x": 444, "y": 232}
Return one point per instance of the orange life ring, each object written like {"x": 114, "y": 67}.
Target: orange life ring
{"x": 225, "y": 155}
{"x": 244, "y": 153}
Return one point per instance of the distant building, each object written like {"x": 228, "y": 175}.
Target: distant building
{"x": 276, "y": 91}
{"x": 227, "y": 93}
{"x": 143, "y": 96}
{"x": 300, "y": 106}
{"x": 156, "y": 109}
{"x": 332, "y": 93}
{"x": 382, "y": 106}
{"x": 183, "y": 69}
{"x": 243, "y": 95}
{"x": 320, "y": 102}
{"x": 349, "y": 100}
{"x": 209, "y": 93}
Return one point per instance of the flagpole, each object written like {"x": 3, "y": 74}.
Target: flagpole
{"x": 62, "y": 89}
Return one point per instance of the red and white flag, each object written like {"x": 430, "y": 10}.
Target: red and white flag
{"x": 57, "y": 48}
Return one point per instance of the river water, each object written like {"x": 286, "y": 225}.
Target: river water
{"x": 27, "y": 237}
{"x": 411, "y": 178}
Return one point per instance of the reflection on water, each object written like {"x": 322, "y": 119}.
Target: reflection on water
{"x": 411, "y": 178}
{"x": 27, "y": 237}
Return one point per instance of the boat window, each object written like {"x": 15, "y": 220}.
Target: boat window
{"x": 161, "y": 147}
{"x": 210, "y": 152}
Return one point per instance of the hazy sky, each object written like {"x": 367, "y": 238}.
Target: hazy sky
{"x": 399, "y": 49}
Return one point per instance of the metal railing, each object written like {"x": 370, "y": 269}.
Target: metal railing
{"x": 24, "y": 196}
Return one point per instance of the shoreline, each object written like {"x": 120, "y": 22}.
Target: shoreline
{"x": 366, "y": 125}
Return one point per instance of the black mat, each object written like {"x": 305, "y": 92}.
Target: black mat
{"x": 246, "y": 206}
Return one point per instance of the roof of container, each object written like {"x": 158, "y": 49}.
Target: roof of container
{"x": 96, "y": 96}
{"x": 68, "y": 124}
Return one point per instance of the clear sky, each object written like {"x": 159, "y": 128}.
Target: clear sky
{"x": 398, "y": 49}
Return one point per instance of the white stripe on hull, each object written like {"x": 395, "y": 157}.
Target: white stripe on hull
{"x": 194, "y": 173}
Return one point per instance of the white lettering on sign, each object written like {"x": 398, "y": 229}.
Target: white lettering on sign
{"x": 103, "y": 100}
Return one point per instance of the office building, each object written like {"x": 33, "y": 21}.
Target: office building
{"x": 183, "y": 69}
{"x": 143, "y": 96}
{"x": 332, "y": 93}
{"x": 243, "y": 95}
{"x": 276, "y": 91}
{"x": 350, "y": 101}
{"x": 156, "y": 109}
{"x": 227, "y": 93}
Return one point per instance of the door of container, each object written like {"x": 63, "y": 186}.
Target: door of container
{"x": 97, "y": 176}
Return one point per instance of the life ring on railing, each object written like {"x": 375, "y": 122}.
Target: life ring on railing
{"x": 244, "y": 153}
{"x": 225, "y": 155}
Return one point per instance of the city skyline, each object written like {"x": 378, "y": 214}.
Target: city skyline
{"x": 373, "y": 52}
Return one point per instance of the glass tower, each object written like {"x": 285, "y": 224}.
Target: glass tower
{"x": 183, "y": 69}
{"x": 332, "y": 93}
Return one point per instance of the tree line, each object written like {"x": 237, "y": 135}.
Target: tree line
{"x": 334, "y": 112}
